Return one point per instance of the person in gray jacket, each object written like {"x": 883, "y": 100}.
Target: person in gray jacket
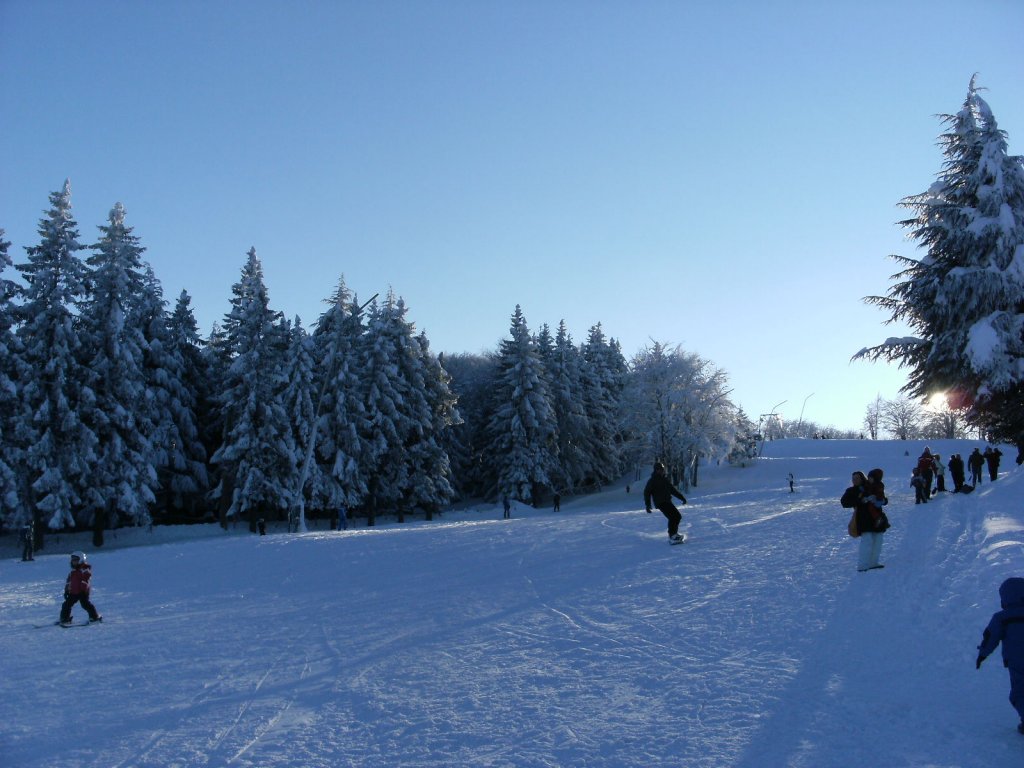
{"x": 1007, "y": 627}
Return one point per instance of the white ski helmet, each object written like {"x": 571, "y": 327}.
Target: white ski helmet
{"x": 78, "y": 557}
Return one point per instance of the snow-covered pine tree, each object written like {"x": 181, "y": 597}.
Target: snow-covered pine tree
{"x": 298, "y": 398}
{"x": 340, "y": 475}
{"x": 254, "y": 457}
{"x": 216, "y": 356}
{"x": 521, "y": 431}
{"x": 573, "y": 428}
{"x": 62, "y": 449}
{"x": 603, "y": 377}
{"x": 432, "y": 487}
{"x": 123, "y": 478}
{"x": 965, "y": 297}
{"x": 172, "y": 369}
{"x": 13, "y": 513}
{"x": 744, "y": 447}
{"x": 396, "y": 405}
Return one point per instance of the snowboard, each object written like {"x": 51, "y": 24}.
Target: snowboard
{"x": 679, "y": 541}
{"x": 75, "y": 625}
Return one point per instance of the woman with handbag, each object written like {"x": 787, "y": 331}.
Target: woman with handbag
{"x": 866, "y": 497}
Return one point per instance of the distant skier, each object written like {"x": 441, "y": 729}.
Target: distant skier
{"x": 1007, "y": 627}
{"x": 27, "y": 542}
{"x": 558, "y": 502}
{"x": 661, "y": 491}
{"x": 343, "y": 516}
{"x": 506, "y": 505}
{"x": 77, "y": 589}
{"x": 792, "y": 481}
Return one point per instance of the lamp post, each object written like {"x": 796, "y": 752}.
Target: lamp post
{"x": 801, "y": 421}
{"x": 767, "y": 423}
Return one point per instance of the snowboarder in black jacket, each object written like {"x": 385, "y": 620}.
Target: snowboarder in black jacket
{"x": 661, "y": 491}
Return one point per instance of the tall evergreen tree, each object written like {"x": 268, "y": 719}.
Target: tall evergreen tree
{"x": 432, "y": 487}
{"x": 255, "y": 457}
{"x": 573, "y": 428}
{"x": 298, "y": 398}
{"x": 123, "y": 478}
{"x": 398, "y": 413}
{"x": 965, "y": 297}
{"x": 62, "y": 449}
{"x": 174, "y": 377}
{"x": 341, "y": 475}
{"x": 521, "y": 440}
{"x": 603, "y": 381}
{"x": 12, "y": 415}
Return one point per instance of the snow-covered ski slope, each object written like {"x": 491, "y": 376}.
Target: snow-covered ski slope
{"x": 572, "y": 639}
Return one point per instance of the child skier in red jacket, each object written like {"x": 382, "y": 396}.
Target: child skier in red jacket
{"x": 77, "y": 588}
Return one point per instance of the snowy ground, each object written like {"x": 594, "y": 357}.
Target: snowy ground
{"x": 577, "y": 639}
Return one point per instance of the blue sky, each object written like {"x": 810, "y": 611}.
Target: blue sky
{"x": 719, "y": 175}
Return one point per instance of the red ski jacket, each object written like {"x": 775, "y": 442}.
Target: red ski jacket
{"x": 78, "y": 580}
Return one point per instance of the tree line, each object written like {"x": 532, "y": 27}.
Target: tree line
{"x": 114, "y": 410}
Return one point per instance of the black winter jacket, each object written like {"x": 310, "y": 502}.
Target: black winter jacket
{"x": 661, "y": 490}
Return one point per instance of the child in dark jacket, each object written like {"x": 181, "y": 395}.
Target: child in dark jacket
{"x": 77, "y": 588}
{"x": 1007, "y": 627}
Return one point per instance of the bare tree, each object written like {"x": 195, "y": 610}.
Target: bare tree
{"x": 873, "y": 416}
{"x": 902, "y": 417}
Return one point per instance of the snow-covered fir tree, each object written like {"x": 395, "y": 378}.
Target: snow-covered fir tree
{"x": 397, "y": 410}
{"x": 62, "y": 448}
{"x": 298, "y": 399}
{"x": 521, "y": 431}
{"x": 12, "y": 512}
{"x": 744, "y": 449}
{"x": 179, "y": 456}
{"x": 340, "y": 475}
{"x": 254, "y": 458}
{"x": 123, "y": 478}
{"x": 432, "y": 487}
{"x": 603, "y": 380}
{"x": 964, "y": 299}
{"x": 573, "y": 433}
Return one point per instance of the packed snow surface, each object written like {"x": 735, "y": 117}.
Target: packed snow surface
{"x": 572, "y": 639}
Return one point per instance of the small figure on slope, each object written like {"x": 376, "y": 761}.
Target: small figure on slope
{"x": 27, "y": 542}
{"x": 661, "y": 491}
{"x": 1007, "y": 627}
{"x": 77, "y": 588}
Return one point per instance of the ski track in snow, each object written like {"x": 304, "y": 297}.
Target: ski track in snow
{"x": 572, "y": 639}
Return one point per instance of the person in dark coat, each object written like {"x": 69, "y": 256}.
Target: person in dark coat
{"x": 866, "y": 496}
{"x": 975, "y": 462}
{"x": 926, "y": 465}
{"x": 1007, "y": 627}
{"x": 956, "y": 472}
{"x": 992, "y": 456}
{"x": 660, "y": 490}
{"x": 28, "y": 540}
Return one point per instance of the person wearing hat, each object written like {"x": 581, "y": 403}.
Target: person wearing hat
{"x": 660, "y": 491}
{"x": 76, "y": 590}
